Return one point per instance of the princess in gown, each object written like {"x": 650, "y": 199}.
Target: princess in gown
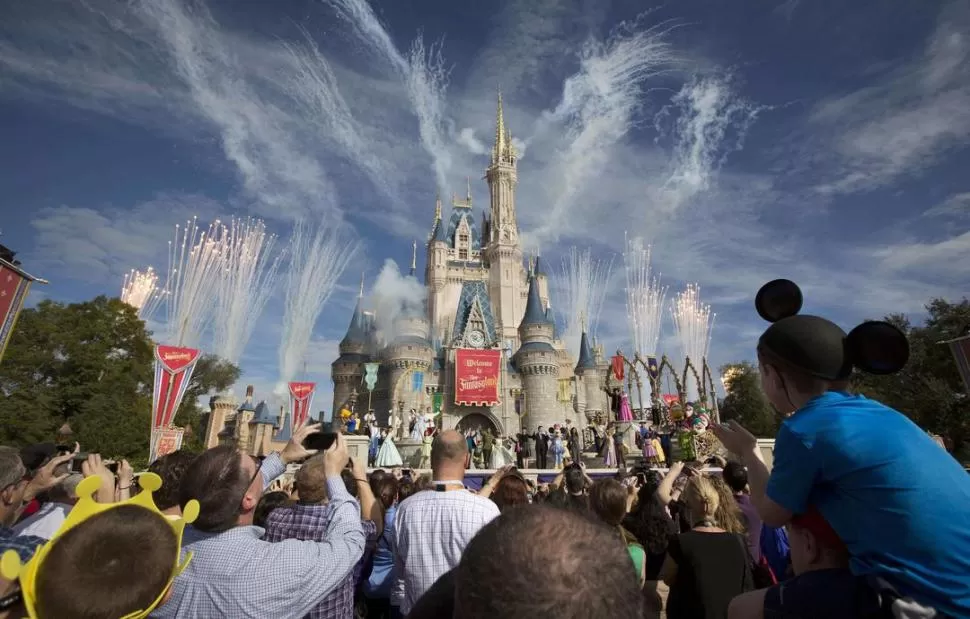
{"x": 625, "y": 413}
{"x": 558, "y": 449}
{"x": 609, "y": 449}
{"x": 387, "y": 455}
{"x": 501, "y": 455}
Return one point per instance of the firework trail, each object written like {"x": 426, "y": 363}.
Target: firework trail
{"x": 195, "y": 264}
{"x": 693, "y": 322}
{"x": 248, "y": 277}
{"x": 644, "y": 298}
{"x": 317, "y": 259}
{"x": 140, "y": 290}
{"x": 583, "y": 280}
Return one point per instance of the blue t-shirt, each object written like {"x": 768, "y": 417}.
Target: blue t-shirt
{"x": 899, "y": 502}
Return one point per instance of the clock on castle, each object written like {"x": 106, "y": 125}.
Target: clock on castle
{"x": 484, "y": 347}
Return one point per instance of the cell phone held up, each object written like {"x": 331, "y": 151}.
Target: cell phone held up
{"x": 81, "y": 458}
{"x": 323, "y": 440}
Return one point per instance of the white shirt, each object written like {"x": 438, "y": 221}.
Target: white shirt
{"x": 45, "y": 522}
{"x": 431, "y": 531}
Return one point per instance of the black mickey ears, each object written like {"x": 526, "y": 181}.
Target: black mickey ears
{"x": 877, "y": 347}
{"x": 778, "y": 299}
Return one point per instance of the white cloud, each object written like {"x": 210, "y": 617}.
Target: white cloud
{"x": 906, "y": 123}
{"x": 467, "y": 138}
{"x": 956, "y": 205}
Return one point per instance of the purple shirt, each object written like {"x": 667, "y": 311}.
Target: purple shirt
{"x": 309, "y": 522}
{"x": 753, "y": 522}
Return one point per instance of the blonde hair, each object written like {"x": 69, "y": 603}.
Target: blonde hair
{"x": 310, "y": 481}
{"x": 701, "y": 497}
{"x": 728, "y": 516}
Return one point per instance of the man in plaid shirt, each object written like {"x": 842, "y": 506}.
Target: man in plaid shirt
{"x": 310, "y": 519}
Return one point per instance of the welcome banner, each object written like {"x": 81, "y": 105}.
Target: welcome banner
{"x": 477, "y": 376}
{"x": 301, "y": 397}
{"x": 173, "y": 371}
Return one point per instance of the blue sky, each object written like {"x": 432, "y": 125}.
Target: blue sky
{"x": 821, "y": 141}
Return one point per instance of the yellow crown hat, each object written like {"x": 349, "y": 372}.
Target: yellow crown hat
{"x": 85, "y": 508}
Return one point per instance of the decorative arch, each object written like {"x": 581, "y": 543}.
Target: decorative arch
{"x": 701, "y": 390}
{"x": 480, "y": 419}
{"x": 632, "y": 373}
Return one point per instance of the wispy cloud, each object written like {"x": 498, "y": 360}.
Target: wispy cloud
{"x": 904, "y": 124}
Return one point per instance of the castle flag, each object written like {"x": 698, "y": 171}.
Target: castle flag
{"x": 370, "y": 375}
{"x": 652, "y": 368}
{"x": 417, "y": 381}
{"x": 14, "y": 285}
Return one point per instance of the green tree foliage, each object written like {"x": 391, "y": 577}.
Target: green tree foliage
{"x": 745, "y": 401}
{"x": 91, "y": 364}
{"x": 929, "y": 389}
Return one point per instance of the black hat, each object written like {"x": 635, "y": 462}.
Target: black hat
{"x": 820, "y": 347}
{"x": 35, "y": 456}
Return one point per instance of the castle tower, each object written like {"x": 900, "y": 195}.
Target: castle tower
{"x": 222, "y": 411}
{"x": 538, "y": 363}
{"x": 503, "y": 253}
{"x": 348, "y": 370}
{"x": 261, "y": 434}
{"x": 408, "y": 354}
{"x": 590, "y": 378}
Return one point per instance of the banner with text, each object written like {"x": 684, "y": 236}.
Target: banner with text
{"x": 173, "y": 371}
{"x": 477, "y": 376}
{"x": 14, "y": 285}
{"x": 301, "y": 397}
{"x": 165, "y": 441}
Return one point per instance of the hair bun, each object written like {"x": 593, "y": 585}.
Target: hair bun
{"x": 779, "y": 298}
{"x": 877, "y": 347}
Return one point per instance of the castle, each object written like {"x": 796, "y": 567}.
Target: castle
{"x": 483, "y": 350}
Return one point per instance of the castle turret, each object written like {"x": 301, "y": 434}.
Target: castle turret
{"x": 537, "y": 362}
{"x": 436, "y": 267}
{"x": 589, "y": 378}
{"x": 503, "y": 253}
{"x": 348, "y": 370}
{"x": 408, "y": 354}
{"x": 542, "y": 279}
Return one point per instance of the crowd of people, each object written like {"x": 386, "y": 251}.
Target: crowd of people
{"x": 862, "y": 514}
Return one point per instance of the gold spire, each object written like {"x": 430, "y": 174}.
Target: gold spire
{"x": 498, "y": 151}
{"x": 414, "y": 256}
{"x": 437, "y": 206}
{"x": 468, "y": 189}
{"x": 361, "y": 293}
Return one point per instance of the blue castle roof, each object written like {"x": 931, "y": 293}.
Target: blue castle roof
{"x": 357, "y": 331}
{"x": 285, "y": 433}
{"x": 534, "y": 314}
{"x": 458, "y": 214}
{"x": 586, "y": 361}
{"x": 264, "y": 414}
{"x": 470, "y": 293}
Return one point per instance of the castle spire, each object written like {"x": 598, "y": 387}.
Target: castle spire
{"x": 360, "y": 295}
{"x": 414, "y": 257}
{"x": 498, "y": 151}
{"x": 437, "y": 206}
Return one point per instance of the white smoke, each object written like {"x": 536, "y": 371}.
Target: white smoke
{"x": 468, "y": 139}
{"x": 394, "y": 295}
{"x": 422, "y": 72}
{"x": 707, "y": 121}
{"x": 598, "y": 108}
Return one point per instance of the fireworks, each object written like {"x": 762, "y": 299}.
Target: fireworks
{"x": 195, "y": 263}
{"x": 247, "y": 276}
{"x": 140, "y": 290}
{"x": 317, "y": 259}
{"x": 583, "y": 280}
{"x": 693, "y": 322}
{"x": 644, "y": 297}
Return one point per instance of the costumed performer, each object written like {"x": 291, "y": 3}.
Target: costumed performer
{"x": 609, "y": 448}
{"x": 345, "y": 415}
{"x": 575, "y": 445}
{"x": 375, "y": 442}
{"x": 501, "y": 454}
{"x": 426, "y": 443}
{"x": 625, "y": 413}
{"x": 558, "y": 450}
{"x": 388, "y": 456}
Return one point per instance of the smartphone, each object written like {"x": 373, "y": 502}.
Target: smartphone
{"x": 77, "y": 461}
{"x": 322, "y": 440}
{"x": 641, "y": 479}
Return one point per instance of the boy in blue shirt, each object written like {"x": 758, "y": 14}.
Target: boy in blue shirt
{"x": 898, "y": 502}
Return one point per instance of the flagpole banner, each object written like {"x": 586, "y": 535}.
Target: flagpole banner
{"x": 370, "y": 375}
{"x": 301, "y": 398}
{"x": 436, "y": 402}
{"x": 652, "y": 368}
{"x": 476, "y": 377}
{"x": 173, "y": 371}
{"x": 166, "y": 441}
{"x": 960, "y": 348}
{"x": 14, "y": 286}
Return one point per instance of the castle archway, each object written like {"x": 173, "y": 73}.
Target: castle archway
{"x": 478, "y": 421}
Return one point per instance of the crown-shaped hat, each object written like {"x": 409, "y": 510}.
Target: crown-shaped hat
{"x": 85, "y": 508}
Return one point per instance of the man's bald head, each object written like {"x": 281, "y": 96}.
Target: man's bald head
{"x": 538, "y": 561}
{"x": 449, "y": 447}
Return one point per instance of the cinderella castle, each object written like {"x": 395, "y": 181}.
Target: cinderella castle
{"x": 482, "y": 351}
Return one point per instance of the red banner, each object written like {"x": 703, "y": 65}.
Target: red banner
{"x": 165, "y": 441}
{"x": 173, "y": 370}
{"x": 301, "y": 397}
{"x": 617, "y": 363}
{"x": 477, "y": 376}
{"x": 14, "y": 285}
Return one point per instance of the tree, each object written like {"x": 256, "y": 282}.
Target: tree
{"x": 745, "y": 401}
{"x": 929, "y": 389}
{"x": 91, "y": 364}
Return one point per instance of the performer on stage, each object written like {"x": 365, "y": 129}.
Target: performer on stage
{"x": 609, "y": 448}
{"x": 542, "y": 448}
{"x": 375, "y": 442}
{"x": 625, "y": 413}
{"x": 426, "y": 447}
{"x": 558, "y": 450}
{"x": 501, "y": 454}
{"x": 388, "y": 456}
{"x": 575, "y": 445}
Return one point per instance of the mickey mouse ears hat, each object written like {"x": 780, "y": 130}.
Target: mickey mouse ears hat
{"x": 820, "y": 347}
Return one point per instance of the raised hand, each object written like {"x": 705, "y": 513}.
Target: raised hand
{"x": 294, "y": 450}
{"x": 45, "y": 478}
{"x": 735, "y": 438}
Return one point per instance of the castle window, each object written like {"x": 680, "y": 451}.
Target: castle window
{"x": 463, "y": 254}
{"x": 463, "y": 239}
